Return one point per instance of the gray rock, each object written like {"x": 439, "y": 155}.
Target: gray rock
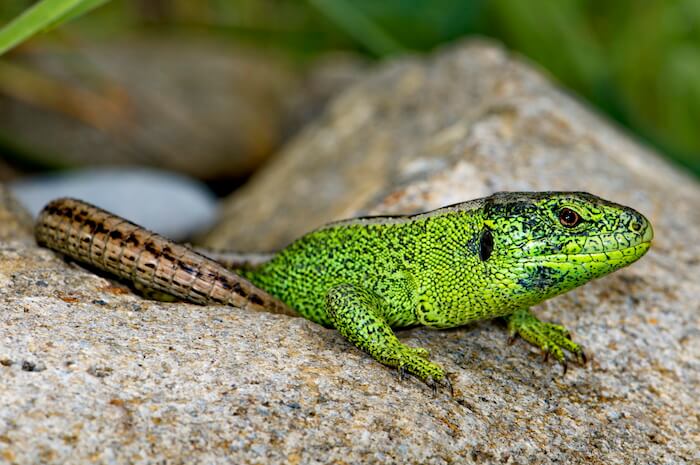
{"x": 168, "y": 203}
{"x": 129, "y": 380}
{"x": 16, "y": 224}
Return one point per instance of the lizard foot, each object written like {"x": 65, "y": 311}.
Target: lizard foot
{"x": 553, "y": 339}
{"x": 414, "y": 361}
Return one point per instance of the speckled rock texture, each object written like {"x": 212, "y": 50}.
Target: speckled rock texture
{"x": 90, "y": 373}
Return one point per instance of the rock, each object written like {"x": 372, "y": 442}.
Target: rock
{"x": 323, "y": 80}
{"x": 165, "y": 202}
{"x": 130, "y": 380}
{"x": 16, "y": 223}
{"x": 196, "y": 106}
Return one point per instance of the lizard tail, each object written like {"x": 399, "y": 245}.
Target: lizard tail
{"x": 110, "y": 243}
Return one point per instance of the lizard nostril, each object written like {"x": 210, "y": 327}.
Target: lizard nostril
{"x": 636, "y": 226}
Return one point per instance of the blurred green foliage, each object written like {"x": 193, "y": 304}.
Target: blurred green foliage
{"x": 42, "y": 16}
{"x": 638, "y": 61}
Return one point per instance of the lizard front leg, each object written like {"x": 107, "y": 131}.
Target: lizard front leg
{"x": 549, "y": 337}
{"x": 357, "y": 314}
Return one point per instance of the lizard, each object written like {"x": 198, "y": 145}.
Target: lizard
{"x": 481, "y": 259}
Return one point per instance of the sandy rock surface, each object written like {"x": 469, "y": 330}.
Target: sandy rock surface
{"x": 90, "y": 373}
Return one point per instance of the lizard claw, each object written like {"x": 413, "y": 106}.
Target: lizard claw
{"x": 449, "y": 386}
{"x": 434, "y": 384}
{"x": 582, "y": 358}
{"x": 403, "y": 374}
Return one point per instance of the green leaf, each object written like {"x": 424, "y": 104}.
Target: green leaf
{"x": 79, "y": 10}
{"x": 358, "y": 26}
{"x": 42, "y": 16}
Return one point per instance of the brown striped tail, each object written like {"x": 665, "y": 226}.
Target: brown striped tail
{"x": 110, "y": 243}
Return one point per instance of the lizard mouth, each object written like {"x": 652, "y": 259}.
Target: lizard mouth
{"x": 623, "y": 255}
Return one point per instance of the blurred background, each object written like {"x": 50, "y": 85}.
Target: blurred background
{"x": 211, "y": 89}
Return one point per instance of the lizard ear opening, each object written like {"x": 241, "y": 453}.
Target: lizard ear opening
{"x": 485, "y": 244}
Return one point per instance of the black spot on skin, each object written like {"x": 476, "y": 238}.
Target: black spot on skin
{"x": 186, "y": 268}
{"x": 100, "y": 229}
{"x": 224, "y": 283}
{"x": 540, "y": 278}
{"x": 485, "y": 244}
{"x": 116, "y": 234}
{"x": 239, "y": 290}
{"x": 132, "y": 239}
{"x": 91, "y": 224}
{"x": 150, "y": 265}
{"x": 194, "y": 290}
{"x": 67, "y": 212}
{"x": 254, "y": 298}
{"x": 168, "y": 253}
{"x": 150, "y": 246}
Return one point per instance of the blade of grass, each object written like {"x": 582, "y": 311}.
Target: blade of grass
{"x": 41, "y": 16}
{"x": 358, "y": 26}
{"x": 79, "y": 10}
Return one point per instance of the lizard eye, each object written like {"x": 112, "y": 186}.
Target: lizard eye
{"x": 569, "y": 218}
{"x": 485, "y": 244}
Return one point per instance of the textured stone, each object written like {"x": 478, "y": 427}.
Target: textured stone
{"x": 15, "y": 222}
{"x": 91, "y": 373}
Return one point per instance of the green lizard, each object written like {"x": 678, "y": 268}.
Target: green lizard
{"x": 492, "y": 257}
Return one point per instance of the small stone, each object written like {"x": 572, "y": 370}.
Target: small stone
{"x": 170, "y": 204}
{"x": 33, "y": 366}
{"x": 100, "y": 371}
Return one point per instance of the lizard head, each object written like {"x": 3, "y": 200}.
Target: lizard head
{"x": 543, "y": 244}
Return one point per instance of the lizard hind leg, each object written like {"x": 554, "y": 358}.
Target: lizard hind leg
{"x": 357, "y": 314}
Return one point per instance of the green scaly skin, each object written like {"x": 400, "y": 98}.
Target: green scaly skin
{"x": 441, "y": 269}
